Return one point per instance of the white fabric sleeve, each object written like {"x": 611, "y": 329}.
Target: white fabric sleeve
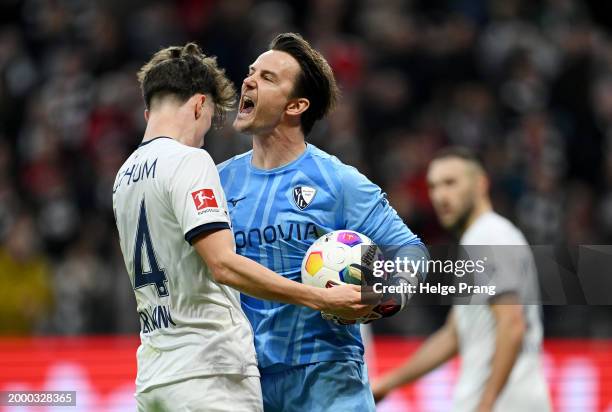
{"x": 196, "y": 196}
{"x": 515, "y": 271}
{"x": 510, "y": 268}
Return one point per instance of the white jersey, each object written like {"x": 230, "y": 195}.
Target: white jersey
{"x": 165, "y": 195}
{"x": 513, "y": 270}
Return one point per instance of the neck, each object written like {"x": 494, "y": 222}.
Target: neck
{"x": 277, "y": 148}
{"x": 481, "y": 207}
{"x": 170, "y": 122}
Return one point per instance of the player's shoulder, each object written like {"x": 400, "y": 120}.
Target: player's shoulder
{"x": 340, "y": 169}
{"x": 176, "y": 159}
{"x": 173, "y": 150}
{"x": 493, "y": 229}
{"x": 324, "y": 157}
{"x": 235, "y": 161}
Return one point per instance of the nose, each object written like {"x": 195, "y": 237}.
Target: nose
{"x": 249, "y": 82}
{"x": 437, "y": 196}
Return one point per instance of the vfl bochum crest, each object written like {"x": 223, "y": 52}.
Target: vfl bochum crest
{"x": 303, "y": 195}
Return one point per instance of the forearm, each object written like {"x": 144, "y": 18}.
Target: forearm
{"x": 411, "y": 260}
{"x": 217, "y": 249}
{"x": 508, "y": 343}
{"x": 410, "y": 268}
{"x": 436, "y": 350}
{"x": 253, "y": 279}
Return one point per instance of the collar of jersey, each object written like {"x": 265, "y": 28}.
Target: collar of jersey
{"x": 155, "y": 138}
{"x": 280, "y": 168}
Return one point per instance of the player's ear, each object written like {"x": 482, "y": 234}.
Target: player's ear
{"x": 297, "y": 106}
{"x": 200, "y": 99}
{"x": 146, "y": 115}
{"x": 483, "y": 184}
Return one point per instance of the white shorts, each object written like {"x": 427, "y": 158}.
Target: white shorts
{"x": 207, "y": 394}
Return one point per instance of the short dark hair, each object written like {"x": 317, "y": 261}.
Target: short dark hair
{"x": 316, "y": 80}
{"x": 183, "y": 72}
{"x": 459, "y": 152}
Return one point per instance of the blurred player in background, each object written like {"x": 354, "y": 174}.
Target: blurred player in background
{"x": 196, "y": 349}
{"x": 499, "y": 342}
{"x": 283, "y": 195}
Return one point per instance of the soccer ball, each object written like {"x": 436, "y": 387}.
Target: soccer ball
{"x": 338, "y": 257}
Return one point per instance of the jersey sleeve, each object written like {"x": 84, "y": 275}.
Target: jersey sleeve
{"x": 197, "y": 197}
{"x": 511, "y": 269}
{"x": 367, "y": 210}
{"x": 506, "y": 259}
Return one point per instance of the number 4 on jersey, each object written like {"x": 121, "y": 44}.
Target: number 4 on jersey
{"x": 154, "y": 275}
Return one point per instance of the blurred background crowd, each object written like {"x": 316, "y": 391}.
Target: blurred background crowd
{"x": 526, "y": 83}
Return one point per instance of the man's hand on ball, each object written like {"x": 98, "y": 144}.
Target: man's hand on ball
{"x": 344, "y": 301}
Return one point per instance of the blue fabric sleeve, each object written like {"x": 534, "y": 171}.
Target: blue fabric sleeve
{"x": 367, "y": 210}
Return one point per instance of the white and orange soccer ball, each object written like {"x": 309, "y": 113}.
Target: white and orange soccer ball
{"x": 338, "y": 257}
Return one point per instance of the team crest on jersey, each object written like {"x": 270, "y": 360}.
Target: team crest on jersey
{"x": 303, "y": 195}
{"x": 203, "y": 199}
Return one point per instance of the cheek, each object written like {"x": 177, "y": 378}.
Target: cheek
{"x": 274, "y": 102}
{"x": 435, "y": 197}
{"x": 463, "y": 199}
{"x": 450, "y": 199}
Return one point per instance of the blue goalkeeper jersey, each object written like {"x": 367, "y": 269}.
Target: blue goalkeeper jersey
{"x": 276, "y": 215}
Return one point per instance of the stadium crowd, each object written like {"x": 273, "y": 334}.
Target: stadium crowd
{"x": 526, "y": 84}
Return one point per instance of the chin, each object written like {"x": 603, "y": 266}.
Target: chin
{"x": 241, "y": 125}
{"x": 448, "y": 224}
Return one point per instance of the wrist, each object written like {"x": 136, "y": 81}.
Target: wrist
{"x": 486, "y": 401}
{"x": 384, "y": 387}
{"x": 316, "y": 298}
{"x": 380, "y": 392}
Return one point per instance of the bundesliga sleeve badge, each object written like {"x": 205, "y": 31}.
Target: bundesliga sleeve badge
{"x": 203, "y": 199}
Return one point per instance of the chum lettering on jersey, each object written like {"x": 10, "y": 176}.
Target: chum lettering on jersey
{"x": 156, "y": 318}
{"x": 136, "y": 173}
{"x": 272, "y": 233}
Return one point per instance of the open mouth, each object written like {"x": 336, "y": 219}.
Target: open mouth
{"x": 247, "y": 105}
